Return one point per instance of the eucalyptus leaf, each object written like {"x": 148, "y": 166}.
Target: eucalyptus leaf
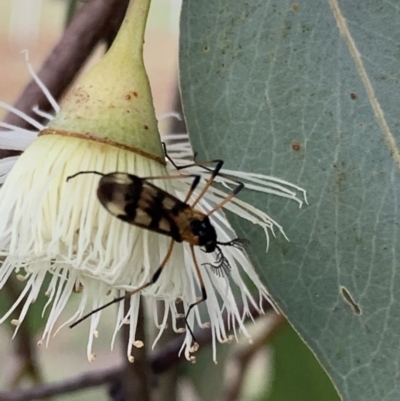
{"x": 309, "y": 92}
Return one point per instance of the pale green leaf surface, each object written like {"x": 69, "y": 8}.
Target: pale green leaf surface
{"x": 259, "y": 76}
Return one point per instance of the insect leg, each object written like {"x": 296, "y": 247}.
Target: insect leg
{"x": 211, "y": 179}
{"x": 196, "y": 180}
{"x": 214, "y": 172}
{"x": 199, "y": 301}
{"x": 155, "y": 277}
{"x": 227, "y": 198}
{"x": 195, "y": 163}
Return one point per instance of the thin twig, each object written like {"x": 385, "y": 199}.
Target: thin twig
{"x": 160, "y": 361}
{"x": 241, "y": 359}
{"x": 91, "y": 24}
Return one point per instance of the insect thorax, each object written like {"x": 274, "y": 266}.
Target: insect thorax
{"x": 199, "y": 231}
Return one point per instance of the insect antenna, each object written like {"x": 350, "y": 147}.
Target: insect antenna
{"x": 239, "y": 243}
{"x": 84, "y": 172}
{"x": 221, "y": 265}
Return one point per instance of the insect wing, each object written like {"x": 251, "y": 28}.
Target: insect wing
{"x": 136, "y": 201}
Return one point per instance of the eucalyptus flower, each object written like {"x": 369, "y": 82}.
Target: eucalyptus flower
{"x": 49, "y": 226}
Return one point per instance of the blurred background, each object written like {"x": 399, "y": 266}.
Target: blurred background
{"x": 37, "y": 25}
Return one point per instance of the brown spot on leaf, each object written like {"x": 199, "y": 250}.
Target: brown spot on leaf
{"x": 295, "y": 146}
{"x": 353, "y": 96}
{"x": 295, "y": 6}
{"x": 340, "y": 177}
{"x": 146, "y": 127}
{"x": 128, "y": 97}
{"x": 135, "y": 94}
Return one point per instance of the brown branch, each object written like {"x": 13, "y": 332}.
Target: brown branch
{"x": 243, "y": 356}
{"x": 160, "y": 361}
{"x": 96, "y": 20}
{"x": 83, "y": 381}
{"x": 135, "y": 376}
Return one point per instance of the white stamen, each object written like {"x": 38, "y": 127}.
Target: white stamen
{"x": 171, "y": 114}
{"x": 43, "y": 114}
{"x": 25, "y": 117}
{"x": 41, "y": 85}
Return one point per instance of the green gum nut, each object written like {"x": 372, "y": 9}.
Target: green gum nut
{"x": 113, "y": 102}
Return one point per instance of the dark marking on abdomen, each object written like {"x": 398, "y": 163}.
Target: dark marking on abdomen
{"x": 132, "y": 197}
{"x": 156, "y": 211}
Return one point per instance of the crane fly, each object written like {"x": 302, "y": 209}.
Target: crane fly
{"x": 137, "y": 201}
